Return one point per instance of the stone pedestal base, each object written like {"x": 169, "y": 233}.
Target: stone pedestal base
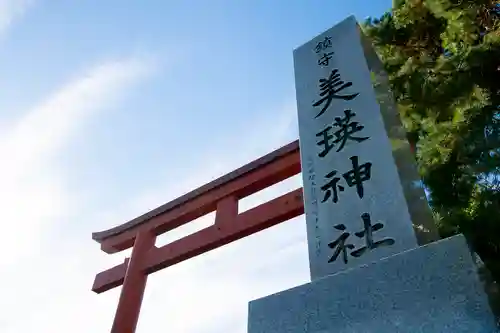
{"x": 433, "y": 288}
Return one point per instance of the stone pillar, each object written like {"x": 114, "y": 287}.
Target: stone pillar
{"x": 374, "y": 260}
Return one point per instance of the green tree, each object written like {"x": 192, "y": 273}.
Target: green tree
{"x": 443, "y": 61}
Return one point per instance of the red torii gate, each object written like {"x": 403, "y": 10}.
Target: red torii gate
{"x": 221, "y": 196}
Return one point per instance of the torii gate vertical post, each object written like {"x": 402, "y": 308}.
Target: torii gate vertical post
{"x": 134, "y": 284}
{"x": 222, "y": 196}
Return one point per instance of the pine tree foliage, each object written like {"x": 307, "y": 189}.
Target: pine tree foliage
{"x": 443, "y": 61}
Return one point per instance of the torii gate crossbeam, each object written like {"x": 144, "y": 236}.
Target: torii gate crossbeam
{"x": 222, "y": 196}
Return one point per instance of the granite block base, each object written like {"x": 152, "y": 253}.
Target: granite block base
{"x": 433, "y": 288}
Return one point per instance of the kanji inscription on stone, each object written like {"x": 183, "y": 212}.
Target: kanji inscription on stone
{"x": 358, "y": 212}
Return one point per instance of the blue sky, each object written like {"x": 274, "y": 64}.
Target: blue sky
{"x": 111, "y": 108}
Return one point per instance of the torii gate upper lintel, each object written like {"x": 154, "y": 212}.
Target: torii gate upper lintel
{"x": 221, "y": 196}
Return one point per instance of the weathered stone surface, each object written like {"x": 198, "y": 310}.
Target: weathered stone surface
{"x": 335, "y": 135}
{"x": 433, "y": 288}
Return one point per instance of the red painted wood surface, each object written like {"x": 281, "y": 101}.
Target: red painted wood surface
{"x": 221, "y": 196}
{"x": 280, "y": 167}
{"x": 226, "y": 231}
{"x": 129, "y": 304}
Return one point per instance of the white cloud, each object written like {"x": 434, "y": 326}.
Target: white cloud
{"x": 33, "y": 195}
{"x": 45, "y": 129}
{"x": 11, "y": 10}
{"x": 203, "y": 295}
{"x": 49, "y": 285}
{"x": 32, "y": 192}
{"x": 210, "y": 293}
